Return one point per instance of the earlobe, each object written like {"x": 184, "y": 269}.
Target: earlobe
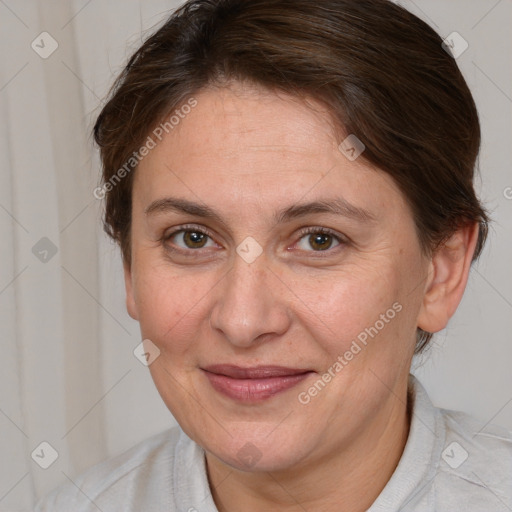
{"x": 131, "y": 305}
{"x": 448, "y": 275}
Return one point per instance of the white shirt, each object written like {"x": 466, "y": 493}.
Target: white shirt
{"x": 449, "y": 464}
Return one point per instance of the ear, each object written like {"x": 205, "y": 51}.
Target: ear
{"x": 131, "y": 306}
{"x": 448, "y": 275}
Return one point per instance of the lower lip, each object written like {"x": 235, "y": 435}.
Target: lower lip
{"x": 253, "y": 390}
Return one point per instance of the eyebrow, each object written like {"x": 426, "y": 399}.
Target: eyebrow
{"x": 336, "y": 206}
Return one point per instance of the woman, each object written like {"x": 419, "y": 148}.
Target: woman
{"x": 291, "y": 186}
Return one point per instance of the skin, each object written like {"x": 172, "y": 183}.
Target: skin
{"x": 246, "y": 153}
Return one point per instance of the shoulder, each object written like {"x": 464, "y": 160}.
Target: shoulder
{"x": 123, "y": 482}
{"x": 476, "y": 460}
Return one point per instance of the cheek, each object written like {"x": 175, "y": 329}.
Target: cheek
{"x": 171, "y": 306}
{"x": 351, "y": 300}
{"x": 364, "y": 314}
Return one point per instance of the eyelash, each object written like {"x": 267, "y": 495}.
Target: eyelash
{"x": 312, "y": 230}
{"x": 342, "y": 240}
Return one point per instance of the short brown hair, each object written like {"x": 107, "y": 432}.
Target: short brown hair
{"x": 381, "y": 72}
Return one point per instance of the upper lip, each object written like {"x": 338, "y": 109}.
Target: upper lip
{"x": 253, "y": 372}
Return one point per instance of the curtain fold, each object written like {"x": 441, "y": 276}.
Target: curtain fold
{"x": 49, "y": 323}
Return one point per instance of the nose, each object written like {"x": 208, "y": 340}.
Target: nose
{"x": 251, "y": 304}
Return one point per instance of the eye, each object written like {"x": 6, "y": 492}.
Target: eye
{"x": 318, "y": 239}
{"x": 192, "y": 237}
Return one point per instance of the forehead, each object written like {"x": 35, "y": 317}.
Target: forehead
{"x": 249, "y": 144}
{"x": 254, "y": 116}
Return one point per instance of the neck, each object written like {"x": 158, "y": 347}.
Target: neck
{"x": 352, "y": 476}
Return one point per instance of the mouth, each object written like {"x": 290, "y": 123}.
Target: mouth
{"x": 253, "y": 384}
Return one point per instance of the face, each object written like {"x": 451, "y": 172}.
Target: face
{"x": 280, "y": 281}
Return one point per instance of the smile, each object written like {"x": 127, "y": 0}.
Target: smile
{"x": 253, "y": 384}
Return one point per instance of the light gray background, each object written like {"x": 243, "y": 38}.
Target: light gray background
{"x": 68, "y": 375}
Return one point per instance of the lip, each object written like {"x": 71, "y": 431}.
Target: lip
{"x": 253, "y": 384}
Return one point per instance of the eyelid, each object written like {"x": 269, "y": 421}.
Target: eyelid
{"x": 320, "y": 229}
{"x": 187, "y": 227}
{"x": 342, "y": 239}
{"x": 183, "y": 228}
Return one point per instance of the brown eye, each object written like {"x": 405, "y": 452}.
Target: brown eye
{"x": 187, "y": 239}
{"x": 320, "y": 241}
{"x": 194, "y": 239}
{"x": 317, "y": 240}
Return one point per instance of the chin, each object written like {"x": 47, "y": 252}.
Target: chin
{"x": 248, "y": 451}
